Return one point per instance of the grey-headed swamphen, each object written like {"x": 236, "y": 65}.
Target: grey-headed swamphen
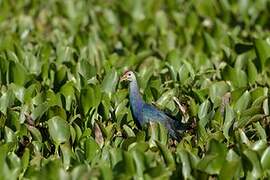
{"x": 144, "y": 113}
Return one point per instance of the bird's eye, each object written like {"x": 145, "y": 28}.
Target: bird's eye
{"x": 129, "y": 74}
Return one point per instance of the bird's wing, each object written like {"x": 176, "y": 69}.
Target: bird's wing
{"x": 151, "y": 113}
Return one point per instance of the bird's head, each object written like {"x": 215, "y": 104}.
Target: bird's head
{"x": 128, "y": 76}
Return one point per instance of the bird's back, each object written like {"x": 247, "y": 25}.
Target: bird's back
{"x": 150, "y": 113}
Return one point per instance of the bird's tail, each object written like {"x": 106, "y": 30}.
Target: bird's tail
{"x": 180, "y": 128}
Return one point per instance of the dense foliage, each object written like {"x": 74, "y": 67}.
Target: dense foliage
{"x": 63, "y": 113}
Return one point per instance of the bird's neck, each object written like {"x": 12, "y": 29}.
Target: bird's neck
{"x": 136, "y": 102}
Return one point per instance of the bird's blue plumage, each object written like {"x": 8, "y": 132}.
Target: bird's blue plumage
{"x": 150, "y": 113}
{"x": 144, "y": 113}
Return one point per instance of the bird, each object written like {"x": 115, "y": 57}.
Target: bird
{"x": 144, "y": 113}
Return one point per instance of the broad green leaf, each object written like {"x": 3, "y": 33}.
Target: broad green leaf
{"x": 6, "y": 100}
{"x": 89, "y": 98}
{"x": 209, "y": 42}
{"x": 91, "y": 149}
{"x": 249, "y": 119}
{"x": 256, "y": 166}
{"x": 158, "y": 171}
{"x": 232, "y": 166}
{"x": 230, "y": 73}
{"x": 243, "y": 102}
{"x": 129, "y": 165}
{"x": 106, "y": 171}
{"x": 9, "y": 135}
{"x": 265, "y": 159}
{"x": 163, "y": 134}
{"x": 252, "y": 111}
{"x": 127, "y": 142}
{"x": 67, "y": 154}
{"x": 259, "y": 145}
{"x": 153, "y": 133}
{"x": 17, "y": 73}
{"x": 19, "y": 92}
{"x": 262, "y": 49}
{"x": 168, "y": 157}
{"x": 128, "y": 131}
{"x": 203, "y": 109}
{"x": 141, "y": 146}
{"x": 59, "y": 130}
{"x": 186, "y": 167}
{"x": 39, "y": 110}
{"x": 68, "y": 91}
{"x": 25, "y": 159}
{"x": 35, "y": 133}
{"x": 189, "y": 68}
{"x": 261, "y": 131}
{"x": 110, "y": 81}
{"x": 217, "y": 90}
{"x": 251, "y": 71}
{"x": 165, "y": 98}
{"x": 139, "y": 162}
{"x": 214, "y": 159}
{"x": 14, "y": 160}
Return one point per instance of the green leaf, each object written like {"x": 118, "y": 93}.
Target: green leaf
{"x": 90, "y": 97}
{"x": 17, "y": 73}
{"x": 35, "y": 133}
{"x": 59, "y": 130}
{"x": 25, "y": 159}
{"x": 229, "y": 117}
{"x": 262, "y": 49}
{"x": 214, "y": 159}
{"x": 106, "y": 172}
{"x": 261, "y": 131}
{"x": 243, "y": 102}
{"x": 165, "y": 98}
{"x": 256, "y": 166}
{"x": 230, "y": 73}
{"x": 40, "y": 110}
{"x": 265, "y": 159}
{"x": 247, "y": 120}
{"x": 203, "y": 109}
{"x": 186, "y": 167}
{"x": 139, "y": 162}
{"x": 6, "y": 100}
{"x": 128, "y": 131}
{"x": 252, "y": 72}
{"x": 67, "y": 154}
{"x": 259, "y": 145}
{"x": 86, "y": 69}
{"x": 217, "y": 90}
{"x": 110, "y": 81}
{"x": 163, "y": 134}
{"x": 209, "y": 42}
{"x": 18, "y": 91}
{"x": 167, "y": 155}
{"x": 232, "y": 166}
{"x": 153, "y": 132}
{"x": 129, "y": 166}
{"x": 68, "y": 91}
{"x": 91, "y": 149}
